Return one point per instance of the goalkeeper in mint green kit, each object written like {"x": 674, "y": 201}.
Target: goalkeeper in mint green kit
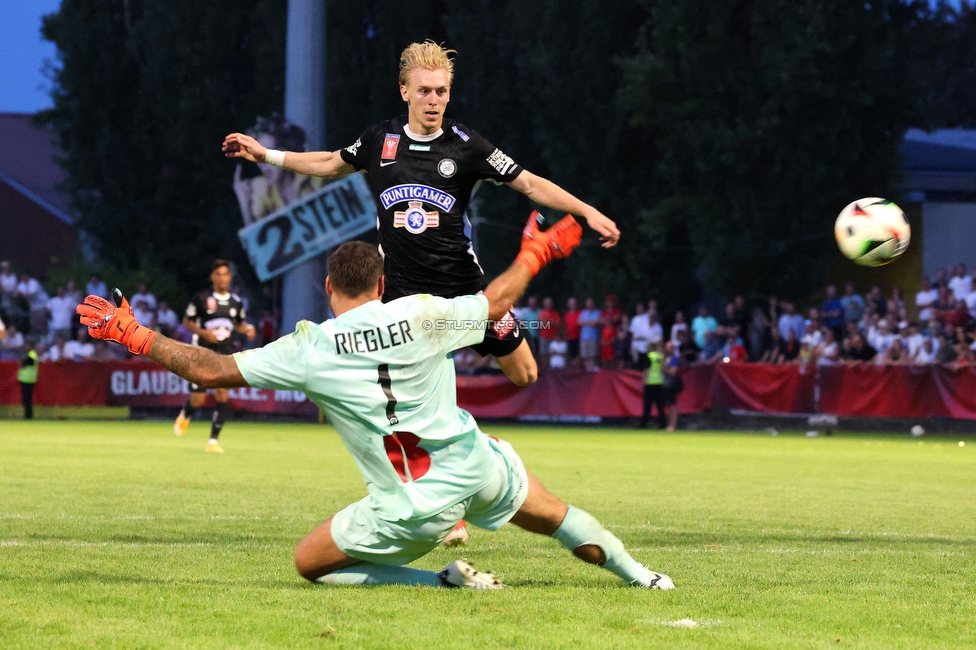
{"x": 384, "y": 375}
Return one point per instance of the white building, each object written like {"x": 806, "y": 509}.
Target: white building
{"x": 941, "y": 174}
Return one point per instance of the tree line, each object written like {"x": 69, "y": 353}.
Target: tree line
{"x": 722, "y": 137}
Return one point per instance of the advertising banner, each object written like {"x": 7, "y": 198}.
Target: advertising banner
{"x": 321, "y": 220}
{"x": 864, "y": 390}
{"x": 289, "y": 218}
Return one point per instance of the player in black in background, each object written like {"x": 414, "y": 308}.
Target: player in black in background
{"x": 213, "y": 316}
{"x": 422, "y": 168}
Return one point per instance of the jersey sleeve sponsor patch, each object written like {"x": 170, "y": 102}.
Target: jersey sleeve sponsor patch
{"x": 360, "y": 153}
{"x": 354, "y": 147}
{"x": 504, "y": 326}
{"x": 237, "y": 313}
{"x": 485, "y": 161}
{"x": 501, "y": 162}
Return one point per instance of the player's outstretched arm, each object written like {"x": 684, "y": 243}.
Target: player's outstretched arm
{"x": 547, "y": 193}
{"x": 538, "y": 249}
{"x": 327, "y": 164}
{"x": 203, "y": 367}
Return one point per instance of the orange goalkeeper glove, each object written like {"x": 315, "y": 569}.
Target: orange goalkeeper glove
{"x": 539, "y": 248}
{"x": 109, "y": 323}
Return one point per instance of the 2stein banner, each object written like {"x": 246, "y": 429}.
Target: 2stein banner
{"x": 315, "y": 223}
{"x": 290, "y": 218}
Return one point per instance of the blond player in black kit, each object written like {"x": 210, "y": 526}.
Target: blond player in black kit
{"x": 422, "y": 168}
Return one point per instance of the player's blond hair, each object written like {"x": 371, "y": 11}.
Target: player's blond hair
{"x": 427, "y": 56}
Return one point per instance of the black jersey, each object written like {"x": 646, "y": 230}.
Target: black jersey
{"x": 219, "y": 312}
{"x": 422, "y": 186}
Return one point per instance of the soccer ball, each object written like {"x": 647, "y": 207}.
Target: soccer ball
{"x": 872, "y": 231}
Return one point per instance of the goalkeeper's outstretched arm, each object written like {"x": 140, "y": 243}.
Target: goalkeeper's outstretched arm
{"x": 197, "y": 365}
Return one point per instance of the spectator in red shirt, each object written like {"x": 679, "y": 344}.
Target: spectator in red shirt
{"x": 571, "y": 321}
{"x": 944, "y": 305}
{"x": 607, "y": 336}
{"x": 612, "y": 311}
{"x": 549, "y": 322}
{"x": 266, "y": 327}
{"x": 958, "y": 317}
{"x": 734, "y": 350}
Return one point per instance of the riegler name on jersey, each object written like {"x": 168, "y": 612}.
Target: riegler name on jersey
{"x": 374, "y": 339}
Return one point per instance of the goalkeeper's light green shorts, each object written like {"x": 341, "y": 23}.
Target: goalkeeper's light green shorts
{"x": 359, "y": 533}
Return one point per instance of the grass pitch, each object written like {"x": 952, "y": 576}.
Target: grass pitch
{"x": 122, "y": 535}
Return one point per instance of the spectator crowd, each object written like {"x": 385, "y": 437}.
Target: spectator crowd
{"x": 937, "y": 327}
{"x": 48, "y": 324}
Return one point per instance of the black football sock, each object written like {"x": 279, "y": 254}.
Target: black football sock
{"x": 188, "y": 410}
{"x": 219, "y": 415}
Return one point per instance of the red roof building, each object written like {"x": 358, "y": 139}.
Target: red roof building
{"x": 37, "y": 227}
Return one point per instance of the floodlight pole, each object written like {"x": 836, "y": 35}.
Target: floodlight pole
{"x": 303, "y": 293}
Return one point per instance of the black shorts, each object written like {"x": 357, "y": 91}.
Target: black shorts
{"x": 572, "y": 348}
{"x": 672, "y": 389}
{"x": 501, "y": 337}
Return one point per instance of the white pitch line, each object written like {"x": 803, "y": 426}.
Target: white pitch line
{"x": 792, "y": 531}
{"x": 825, "y": 551}
{"x": 160, "y": 517}
{"x": 686, "y": 623}
{"x": 47, "y": 542}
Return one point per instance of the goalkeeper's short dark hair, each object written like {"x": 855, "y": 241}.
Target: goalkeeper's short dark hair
{"x": 355, "y": 268}
{"x": 219, "y": 263}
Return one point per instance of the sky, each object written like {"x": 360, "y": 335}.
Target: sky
{"x": 23, "y": 88}
{"x": 22, "y": 55}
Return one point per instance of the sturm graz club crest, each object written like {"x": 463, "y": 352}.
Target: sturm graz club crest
{"x": 415, "y": 219}
{"x": 446, "y": 168}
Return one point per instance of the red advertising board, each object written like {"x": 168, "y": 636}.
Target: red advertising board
{"x": 865, "y": 390}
